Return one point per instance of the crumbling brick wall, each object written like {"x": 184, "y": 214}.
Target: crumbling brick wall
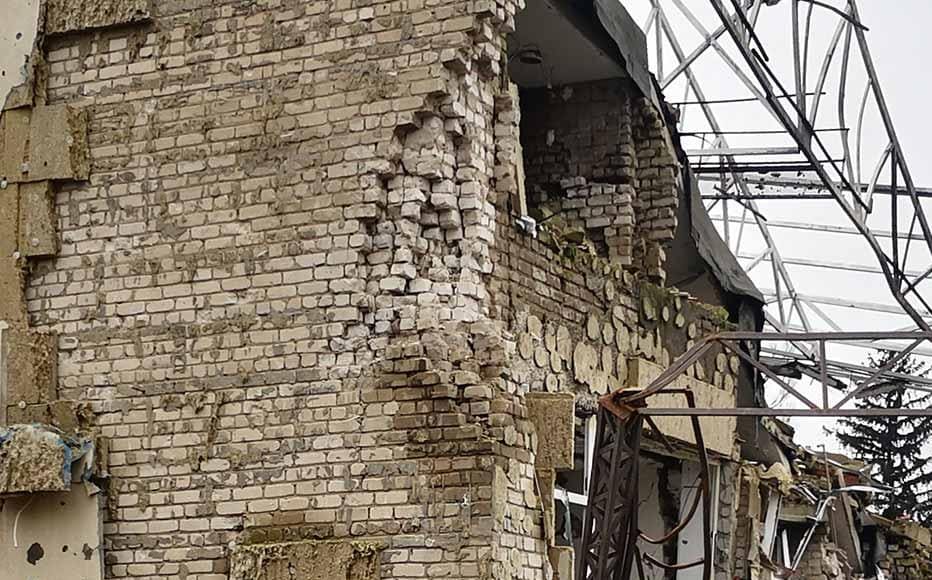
{"x": 290, "y": 294}
{"x": 598, "y": 158}
{"x": 579, "y": 130}
{"x": 272, "y": 280}
{"x": 725, "y": 537}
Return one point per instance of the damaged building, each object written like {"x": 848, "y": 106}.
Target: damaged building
{"x": 333, "y": 289}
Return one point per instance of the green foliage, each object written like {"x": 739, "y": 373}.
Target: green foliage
{"x": 895, "y": 445}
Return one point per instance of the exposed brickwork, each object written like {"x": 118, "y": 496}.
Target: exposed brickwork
{"x": 599, "y": 158}
{"x": 822, "y": 560}
{"x": 294, "y": 298}
{"x": 581, "y": 130}
{"x": 727, "y": 520}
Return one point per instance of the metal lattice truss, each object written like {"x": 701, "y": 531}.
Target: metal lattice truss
{"x": 839, "y": 384}
{"x": 822, "y": 145}
{"x": 611, "y": 539}
{"x": 611, "y": 534}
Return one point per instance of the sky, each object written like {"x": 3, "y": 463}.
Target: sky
{"x": 898, "y": 38}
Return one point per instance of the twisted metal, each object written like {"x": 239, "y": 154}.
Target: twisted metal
{"x": 824, "y": 143}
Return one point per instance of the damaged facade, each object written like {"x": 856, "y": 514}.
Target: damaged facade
{"x": 331, "y": 289}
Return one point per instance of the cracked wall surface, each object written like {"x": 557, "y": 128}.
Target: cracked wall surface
{"x": 288, "y": 287}
{"x": 17, "y": 35}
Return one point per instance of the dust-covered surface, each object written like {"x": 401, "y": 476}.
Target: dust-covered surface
{"x": 58, "y": 536}
{"x": 73, "y": 15}
{"x": 12, "y": 299}
{"x": 38, "y": 232}
{"x": 33, "y": 459}
{"x": 718, "y": 432}
{"x": 291, "y": 561}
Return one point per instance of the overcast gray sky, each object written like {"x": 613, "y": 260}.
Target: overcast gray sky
{"x": 901, "y": 42}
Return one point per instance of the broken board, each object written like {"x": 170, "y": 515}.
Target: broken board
{"x": 717, "y": 432}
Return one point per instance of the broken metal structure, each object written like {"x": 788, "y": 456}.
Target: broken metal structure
{"x": 827, "y": 158}
{"x": 335, "y": 289}
{"x": 611, "y": 533}
{"x": 823, "y": 103}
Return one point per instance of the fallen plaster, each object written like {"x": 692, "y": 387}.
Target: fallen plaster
{"x": 18, "y": 30}
{"x": 51, "y": 536}
{"x": 334, "y": 560}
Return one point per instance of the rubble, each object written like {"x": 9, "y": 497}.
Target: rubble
{"x": 36, "y": 459}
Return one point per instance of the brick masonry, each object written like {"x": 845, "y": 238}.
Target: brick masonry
{"x": 292, "y": 297}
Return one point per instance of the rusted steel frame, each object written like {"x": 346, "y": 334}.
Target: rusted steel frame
{"x": 626, "y": 536}
{"x": 865, "y": 384}
{"x": 610, "y": 521}
{"x": 595, "y": 513}
{"x": 770, "y": 374}
{"x": 614, "y": 403}
{"x": 623, "y": 406}
{"x": 666, "y": 566}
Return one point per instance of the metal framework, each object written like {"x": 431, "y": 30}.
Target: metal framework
{"x": 824, "y": 108}
{"x": 610, "y": 525}
{"x": 610, "y": 538}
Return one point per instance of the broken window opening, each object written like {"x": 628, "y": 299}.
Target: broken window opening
{"x": 571, "y": 491}
{"x": 575, "y": 151}
{"x": 667, "y": 490}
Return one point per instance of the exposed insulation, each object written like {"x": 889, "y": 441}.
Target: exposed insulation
{"x": 73, "y": 15}
{"x": 33, "y": 459}
{"x": 32, "y": 365}
{"x": 553, "y": 418}
{"x": 286, "y": 561}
